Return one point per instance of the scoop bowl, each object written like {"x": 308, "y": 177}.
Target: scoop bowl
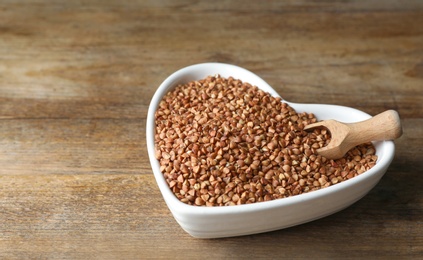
{"x": 216, "y": 222}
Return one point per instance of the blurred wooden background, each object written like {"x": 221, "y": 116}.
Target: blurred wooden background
{"x": 76, "y": 79}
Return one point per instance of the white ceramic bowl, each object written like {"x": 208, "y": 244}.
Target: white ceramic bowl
{"x": 214, "y": 222}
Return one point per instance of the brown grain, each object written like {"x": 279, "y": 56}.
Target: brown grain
{"x": 223, "y": 142}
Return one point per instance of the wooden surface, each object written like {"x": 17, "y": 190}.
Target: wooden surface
{"x": 76, "y": 79}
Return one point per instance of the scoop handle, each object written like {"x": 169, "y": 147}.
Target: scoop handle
{"x": 383, "y": 126}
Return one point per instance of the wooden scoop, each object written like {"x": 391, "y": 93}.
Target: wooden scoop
{"x": 344, "y": 136}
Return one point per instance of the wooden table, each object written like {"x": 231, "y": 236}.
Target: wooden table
{"x": 76, "y": 80}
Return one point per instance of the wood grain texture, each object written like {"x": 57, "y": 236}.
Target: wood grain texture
{"x": 76, "y": 79}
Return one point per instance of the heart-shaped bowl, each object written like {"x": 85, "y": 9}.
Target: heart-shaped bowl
{"x": 227, "y": 221}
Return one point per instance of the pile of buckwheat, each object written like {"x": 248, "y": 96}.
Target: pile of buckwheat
{"x": 223, "y": 142}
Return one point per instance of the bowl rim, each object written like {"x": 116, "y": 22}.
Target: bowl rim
{"x": 386, "y": 148}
